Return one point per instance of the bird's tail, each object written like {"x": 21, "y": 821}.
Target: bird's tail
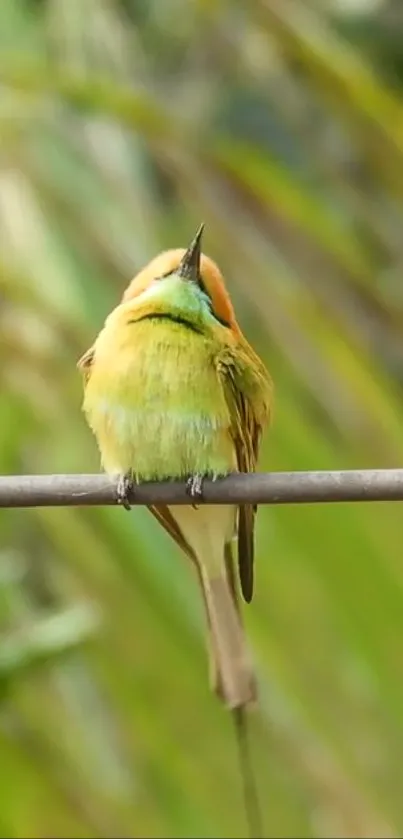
{"x": 200, "y": 532}
{"x": 231, "y": 673}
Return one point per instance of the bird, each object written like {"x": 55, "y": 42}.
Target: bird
{"x": 173, "y": 390}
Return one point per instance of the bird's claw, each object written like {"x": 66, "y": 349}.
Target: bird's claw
{"x": 124, "y": 489}
{"x": 194, "y": 486}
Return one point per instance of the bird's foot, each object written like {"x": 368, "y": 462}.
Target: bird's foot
{"x": 194, "y": 486}
{"x": 124, "y": 489}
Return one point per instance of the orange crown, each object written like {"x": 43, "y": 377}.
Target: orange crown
{"x": 167, "y": 262}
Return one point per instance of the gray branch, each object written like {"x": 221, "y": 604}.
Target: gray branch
{"x": 259, "y": 488}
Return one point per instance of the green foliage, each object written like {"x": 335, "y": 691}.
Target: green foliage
{"x": 122, "y": 126}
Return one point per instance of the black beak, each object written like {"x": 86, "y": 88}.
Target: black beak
{"x": 189, "y": 268}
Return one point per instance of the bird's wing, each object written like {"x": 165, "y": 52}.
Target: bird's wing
{"x": 247, "y": 389}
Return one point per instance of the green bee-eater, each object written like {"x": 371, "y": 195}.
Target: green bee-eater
{"x": 174, "y": 390}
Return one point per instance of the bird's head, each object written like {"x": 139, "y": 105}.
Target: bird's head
{"x": 189, "y": 266}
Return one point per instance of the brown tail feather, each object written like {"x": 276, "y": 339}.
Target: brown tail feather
{"x": 231, "y": 673}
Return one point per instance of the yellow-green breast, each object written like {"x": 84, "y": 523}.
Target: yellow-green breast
{"x": 155, "y": 402}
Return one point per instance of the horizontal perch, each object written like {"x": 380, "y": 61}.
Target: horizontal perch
{"x": 258, "y": 488}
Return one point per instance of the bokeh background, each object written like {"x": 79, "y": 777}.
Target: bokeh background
{"x": 123, "y": 124}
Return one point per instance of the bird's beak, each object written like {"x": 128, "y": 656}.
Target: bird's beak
{"x": 189, "y": 268}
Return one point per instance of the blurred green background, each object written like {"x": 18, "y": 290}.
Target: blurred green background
{"x": 123, "y": 124}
